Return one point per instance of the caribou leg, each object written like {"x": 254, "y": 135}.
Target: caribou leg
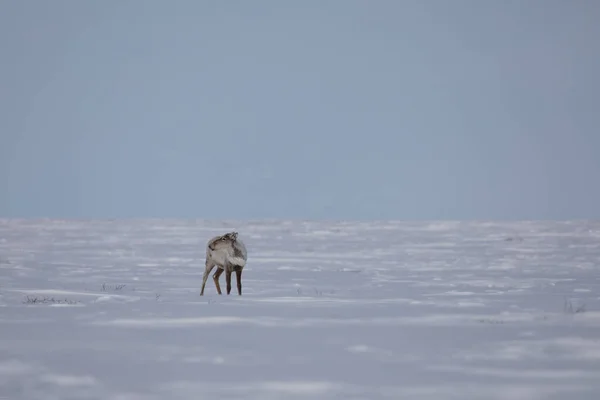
{"x": 216, "y": 279}
{"x": 228, "y": 280}
{"x": 238, "y": 278}
{"x": 209, "y": 267}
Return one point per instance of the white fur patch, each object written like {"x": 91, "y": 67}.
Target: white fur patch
{"x": 237, "y": 261}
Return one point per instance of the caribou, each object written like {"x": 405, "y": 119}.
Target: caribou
{"x": 228, "y": 254}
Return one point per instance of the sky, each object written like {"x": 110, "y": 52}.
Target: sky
{"x": 314, "y": 109}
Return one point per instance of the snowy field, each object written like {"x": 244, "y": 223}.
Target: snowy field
{"x": 110, "y": 310}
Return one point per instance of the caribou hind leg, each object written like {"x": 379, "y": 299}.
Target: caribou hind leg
{"x": 207, "y": 269}
{"x": 216, "y": 277}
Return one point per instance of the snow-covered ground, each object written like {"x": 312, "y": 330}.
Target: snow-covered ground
{"x": 110, "y": 310}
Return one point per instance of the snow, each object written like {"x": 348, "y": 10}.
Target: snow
{"x": 110, "y": 309}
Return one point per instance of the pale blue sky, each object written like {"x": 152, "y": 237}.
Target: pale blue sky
{"x": 300, "y": 109}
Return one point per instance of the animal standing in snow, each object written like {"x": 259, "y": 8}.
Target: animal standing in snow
{"x": 227, "y": 253}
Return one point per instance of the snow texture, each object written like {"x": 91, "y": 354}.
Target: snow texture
{"x": 110, "y": 310}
